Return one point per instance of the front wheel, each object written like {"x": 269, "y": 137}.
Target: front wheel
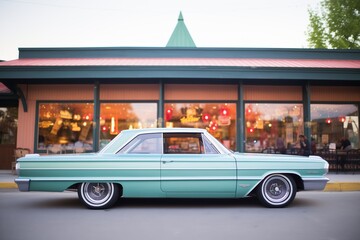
{"x": 98, "y": 195}
{"x": 277, "y": 191}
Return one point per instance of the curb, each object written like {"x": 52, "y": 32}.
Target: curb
{"x": 330, "y": 187}
{"x": 342, "y": 186}
{"x": 8, "y": 185}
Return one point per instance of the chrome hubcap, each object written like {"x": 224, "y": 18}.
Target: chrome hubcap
{"x": 97, "y": 193}
{"x": 98, "y": 190}
{"x": 277, "y": 189}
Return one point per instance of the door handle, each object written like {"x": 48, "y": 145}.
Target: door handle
{"x": 169, "y": 161}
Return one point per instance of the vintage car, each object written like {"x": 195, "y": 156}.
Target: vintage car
{"x": 172, "y": 163}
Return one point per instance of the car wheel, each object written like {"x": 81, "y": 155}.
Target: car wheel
{"x": 98, "y": 195}
{"x": 277, "y": 191}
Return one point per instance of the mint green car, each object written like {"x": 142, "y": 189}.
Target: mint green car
{"x": 171, "y": 163}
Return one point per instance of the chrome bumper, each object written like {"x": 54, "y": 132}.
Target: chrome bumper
{"x": 23, "y": 184}
{"x": 313, "y": 184}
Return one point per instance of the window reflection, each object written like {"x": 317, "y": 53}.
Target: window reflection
{"x": 273, "y": 128}
{"x": 333, "y": 123}
{"x": 115, "y": 117}
{"x": 219, "y": 119}
{"x": 65, "y": 127}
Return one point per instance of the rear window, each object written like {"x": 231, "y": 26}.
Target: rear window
{"x": 144, "y": 144}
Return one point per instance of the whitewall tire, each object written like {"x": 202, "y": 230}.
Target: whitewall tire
{"x": 277, "y": 190}
{"x": 98, "y": 195}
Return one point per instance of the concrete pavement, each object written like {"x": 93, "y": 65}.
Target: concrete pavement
{"x": 338, "y": 182}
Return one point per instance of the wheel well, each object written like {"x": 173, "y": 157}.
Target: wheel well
{"x": 297, "y": 179}
{"x": 75, "y": 186}
{"x": 299, "y": 182}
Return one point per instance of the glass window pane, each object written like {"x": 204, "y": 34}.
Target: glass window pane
{"x": 332, "y": 124}
{"x": 179, "y": 143}
{"x": 273, "y": 127}
{"x": 8, "y": 125}
{"x": 209, "y": 147}
{"x": 115, "y": 117}
{"x": 219, "y": 119}
{"x": 65, "y": 127}
{"x": 144, "y": 144}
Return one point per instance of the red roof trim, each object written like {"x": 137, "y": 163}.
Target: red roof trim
{"x": 213, "y": 62}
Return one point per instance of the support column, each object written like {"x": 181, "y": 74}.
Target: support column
{"x": 307, "y": 113}
{"x": 96, "y": 118}
{"x": 160, "y": 115}
{"x": 240, "y": 119}
{"x": 21, "y": 95}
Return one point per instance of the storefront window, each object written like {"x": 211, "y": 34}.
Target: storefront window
{"x": 65, "y": 127}
{"x": 115, "y": 117}
{"x": 219, "y": 119}
{"x": 273, "y": 128}
{"x": 8, "y": 125}
{"x": 333, "y": 123}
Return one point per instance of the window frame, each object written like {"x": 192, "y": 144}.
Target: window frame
{"x": 237, "y": 119}
{"x": 127, "y": 102}
{"x": 355, "y": 103}
{"x": 203, "y": 141}
{"x": 37, "y": 111}
{"x": 267, "y": 102}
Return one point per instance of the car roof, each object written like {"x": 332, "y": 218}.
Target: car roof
{"x": 166, "y": 130}
{"x": 126, "y": 135}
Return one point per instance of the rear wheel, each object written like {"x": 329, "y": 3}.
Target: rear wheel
{"x": 277, "y": 191}
{"x": 98, "y": 195}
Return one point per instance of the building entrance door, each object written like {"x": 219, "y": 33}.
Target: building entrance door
{"x": 8, "y": 133}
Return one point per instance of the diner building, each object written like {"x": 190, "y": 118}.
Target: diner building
{"x": 72, "y": 100}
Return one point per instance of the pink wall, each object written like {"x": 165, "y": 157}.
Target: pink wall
{"x": 272, "y": 93}
{"x": 338, "y": 93}
{"x": 200, "y": 92}
{"x": 129, "y": 92}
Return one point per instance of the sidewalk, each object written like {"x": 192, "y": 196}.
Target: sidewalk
{"x": 343, "y": 182}
{"x": 338, "y": 182}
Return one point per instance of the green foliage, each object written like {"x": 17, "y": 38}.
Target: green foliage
{"x": 337, "y": 25}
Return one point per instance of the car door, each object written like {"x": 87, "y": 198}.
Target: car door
{"x": 139, "y": 166}
{"x": 192, "y": 167}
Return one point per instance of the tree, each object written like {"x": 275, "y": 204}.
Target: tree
{"x": 337, "y": 25}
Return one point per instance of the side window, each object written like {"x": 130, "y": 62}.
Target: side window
{"x": 143, "y": 144}
{"x": 209, "y": 147}
{"x": 183, "y": 143}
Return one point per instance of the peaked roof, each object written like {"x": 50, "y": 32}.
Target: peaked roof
{"x": 181, "y": 36}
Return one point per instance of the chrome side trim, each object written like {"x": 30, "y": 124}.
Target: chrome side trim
{"x": 313, "y": 184}
{"x": 23, "y": 184}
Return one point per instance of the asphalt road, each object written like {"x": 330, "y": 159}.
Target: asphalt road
{"x": 52, "y": 216}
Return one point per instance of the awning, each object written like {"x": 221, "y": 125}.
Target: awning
{"x": 4, "y": 89}
{"x": 200, "y": 62}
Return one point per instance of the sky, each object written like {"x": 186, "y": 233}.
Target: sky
{"x": 149, "y": 23}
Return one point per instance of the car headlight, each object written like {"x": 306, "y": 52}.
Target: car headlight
{"x": 17, "y": 168}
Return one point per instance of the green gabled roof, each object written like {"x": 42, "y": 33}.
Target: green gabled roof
{"x": 180, "y": 36}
